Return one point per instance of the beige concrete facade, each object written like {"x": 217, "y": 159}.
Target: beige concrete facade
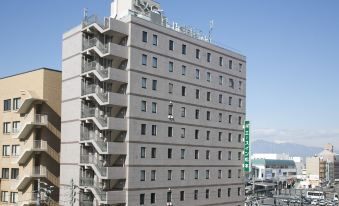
{"x": 316, "y": 169}
{"x": 30, "y": 137}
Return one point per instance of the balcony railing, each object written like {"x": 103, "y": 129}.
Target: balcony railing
{"x": 95, "y": 89}
{"x": 90, "y": 159}
{"x": 87, "y": 135}
{"x": 95, "y": 66}
{"x": 94, "y": 42}
{"x": 93, "y": 112}
{"x": 94, "y": 19}
{"x": 40, "y": 119}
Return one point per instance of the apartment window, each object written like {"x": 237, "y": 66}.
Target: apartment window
{"x": 183, "y": 111}
{"x": 231, "y": 83}
{"x": 143, "y": 129}
{"x": 154, "y": 130}
{"x": 229, "y": 100}
{"x": 240, "y": 67}
{"x": 197, "y": 73}
{"x": 208, "y": 76}
{"x": 230, "y": 119}
{"x": 16, "y": 103}
{"x": 152, "y": 198}
{"x": 208, "y": 115}
{"x": 221, "y": 80}
{"x": 182, "y": 195}
{"x": 221, "y": 61}
{"x": 220, "y": 117}
{"x": 155, "y": 40}
{"x": 5, "y": 150}
{"x": 207, "y": 195}
{"x": 229, "y": 155}
{"x": 196, "y": 154}
{"x": 229, "y": 137}
{"x": 154, "y": 107}
{"x": 169, "y": 175}
{"x": 183, "y": 49}
{"x": 219, "y": 192}
{"x": 6, "y": 127}
{"x": 153, "y": 152}
{"x": 240, "y": 85}
{"x": 182, "y": 174}
{"x": 208, "y": 57}
{"x": 144, "y": 36}
{"x": 14, "y": 173}
{"x": 182, "y": 156}
{"x": 154, "y": 84}
{"x": 183, "y": 91}
{"x": 144, "y": 59}
{"x": 170, "y": 88}
{"x": 207, "y": 174}
{"x": 170, "y": 132}
{"x": 229, "y": 192}
{"x": 239, "y": 138}
{"x": 208, "y": 96}
{"x": 183, "y": 132}
{"x": 142, "y": 175}
{"x": 14, "y": 197}
{"x": 15, "y": 150}
{"x": 5, "y": 173}
{"x": 197, "y": 94}
{"x": 143, "y": 106}
{"x": 155, "y": 62}
{"x": 197, "y": 53}
{"x": 153, "y": 175}
{"x": 230, "y": 64}
{"x": 239, "y": 121}
{"x": 169, "y": 196}
{"x": 142, "y": 199}
{"x": 219, "y": 155}
{"x": 240, "y": 103}
{"x": 207, "y": 154}
{"x": 169, "y": 153}
{"x": 229, "y": 173}
{"x": 219, "y": 174}
{"x": 239, "y": 155}
{"x": 195, "y": 194}
{"x": 170, "y": 66}
{"x": 144, "y": 83}
{"x": 197, "y": 114}
{"x": 142, "y": 152}
{"x": 220, "y": 98}
{"x": 171, "y": 45}
{"x": 170, "y": 109}
{"x": 239, "y": 173}
{"x": 4, "y": 196}
{"x": 7, "y": 104}
{"x": 196, "y": 174}
{"x": 208, "y": 134}
{"x": 183, "y": 70}
{"x": 219, "y": 136}
{"x": 196, "y": 134}
{"x": 239, "y": 191}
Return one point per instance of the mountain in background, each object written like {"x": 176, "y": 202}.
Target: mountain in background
{"x": 262, "y": 146}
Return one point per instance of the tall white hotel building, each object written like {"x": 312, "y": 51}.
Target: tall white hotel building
{"x": 152, "y": 113}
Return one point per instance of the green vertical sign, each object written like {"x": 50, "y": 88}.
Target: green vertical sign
{"x": 247, "y": 166}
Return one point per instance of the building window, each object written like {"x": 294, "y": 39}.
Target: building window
{"x": 171, "y": 45}
{"x": 143, "y": 129}
{"x": 221, "y": 61}
{"x": 153, "y": 152}
{"x": 196, "y": 174}
{"x": 154, "y": 107}
{"x": 169, "y": 196}
{"x": 239, "y": 155}
{"x": 197, "y": 94}
{"x": 154, "y": 130}
{"x": 183, "y": 70}
{"x": 144, "y": 59}
{"x": 240, "y": 85}
{"x": 144, "y": 83}
{"x": 183, "y": 49}
{"x": 15, "y": 150}
{"x": 170, "y": 66}
{"x": 154, "y": 84}
{"x": 230, "y": 119}
{"x": 169, "y": 153}
{"x": 207, "y": 195}
{"x": 4, "y": 196}
{"x": 152, "y": 198}
{"x": 195, "y": 194}
{"x": 221, "y": 80}
{"x": 231, "y": 83}
{"x": 197, "y": 73}
{"x": 7, "y": 104}
{"x": 239, "y": 121}
{"x": 196, "y": 154}
{"x": 239, "y": 191}
{"x": 142, "y": 199}
{"x": 208, "y": 96}
{"x": 230, "y": 64}
{"x": 239, "y": 138}
{"x": 155, "y": 62}
{"x": 208, "y": 57}
{"x": 153, "y": 175}
{"x": 240, "y": 67}
{"x": 220, "y": 98}
{"x": 208, "y": 134}
{"x": 5, "y": 150}
{"x": 183, "y": 91}
{"x": 155, "y": 40}
{"x": 170, "y": 132}
{"x": 183, "y": 111}
{"x": 6, "y": 127}
{"x": 169, "y": 175}
{"x": 5, "y": 173}
{"x": 16, "y": 103}
{"x": 229, "y": 192}
{"x": 143, "y": 106}
{"x": 196, "y": 134}
{"x": 207, "y": 174}
{"x": 207, "y": 154}
{"x": 219, "y": 192}
{"x": 220, "y": 117}
{"x": 182, "y": 174}
{"x": 182, "y": 195}
{"x": 229, "y": 173}
{"x": 197, "y": 114}
{"x": 219, "y": 155}
{"x": 239, "y": 173}
{"x": 142, "y": 175}
{"x": 170, "y": 109}
{"x": 183, "y": 132}
{"x": 219, "y": 174}
{"x": 182, "y": 154}
{"x": 170, "y": 88}
{"x": 144, "y": 36}
{"x": 208, "y": 115}
{"x": 229, "y": 155}
{"x": 143, "y": 152}
{"x": 14, "y": 173}
{"x": 219, "y": 136}
{"x": 240, "y": 103}
{"x": 14, "y": 197}
{"x": 208, "y": 76}
{"x": 229, "y": 137}
{"x": 197, "y": 53}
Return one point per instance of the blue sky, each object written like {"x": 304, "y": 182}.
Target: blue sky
{"x": 292, "y": 50}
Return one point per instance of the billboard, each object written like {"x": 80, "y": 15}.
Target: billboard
{"x": 247, "y": 166}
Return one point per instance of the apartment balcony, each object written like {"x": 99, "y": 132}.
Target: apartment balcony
{"x": 102, "y": 97}
{"x": 109, "y": 50}
{"x": 36, "y": 146}
{"x": 29, "y": 98}
{"x": 105, "y": 73}
{"x": 30, "y": 122}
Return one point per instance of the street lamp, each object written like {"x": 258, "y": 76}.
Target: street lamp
{"x": 169, "y": 197}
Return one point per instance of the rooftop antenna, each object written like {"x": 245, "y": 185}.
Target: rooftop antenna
{"x": 210, "y": 31}
{"x": 85, "y": 13}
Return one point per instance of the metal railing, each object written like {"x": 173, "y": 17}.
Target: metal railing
{"x": 87, "y": 134}
{"x": 93, "y": 112}
{"x": 95, "y": 42}
{"x": 95, "y": 89}
{"x": 40, "y": 119}
{"x": 95, "y": 66}
{"x": 90, "y": 159}
{"x": 95, "y": 20}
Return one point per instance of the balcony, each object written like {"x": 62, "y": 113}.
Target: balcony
{"x": 28, "y": 175}
{"x": 108, "y": 25}
{"x": 29, "y": 97}
{"x": 105, "y": 73}
{"x": 96, "y": 139}
{"x": 30, "y": 123}
{"x": 103, "y": 97}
